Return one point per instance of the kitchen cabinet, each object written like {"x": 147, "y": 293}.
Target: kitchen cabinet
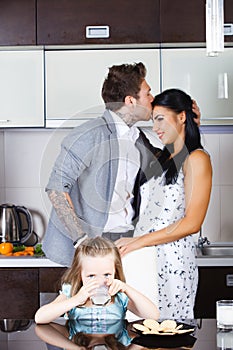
{"x": 22, "y": 88}
{"x": 215, "y": 283}
{"x": 209, "y": 80}
{"x": 74, "y": 80}
{"x": 50, "y": 278}
{"x": 64, "y": 22}
{"x": 183, "y": 21}
{"x": 20, "y": 289}
{"x": 19, "y": 293}
{"x": 228, "y": 18}
{"x": 18, "y": 22}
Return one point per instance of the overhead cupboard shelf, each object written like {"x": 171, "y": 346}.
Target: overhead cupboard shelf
{"x": 209, "y": 80}
{"x": 74, "y": 79}
{"x": 51, "y": 87}
{"x": 22, "y": 88}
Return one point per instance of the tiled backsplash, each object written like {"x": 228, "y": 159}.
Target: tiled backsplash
{"x": 27, "y": 156}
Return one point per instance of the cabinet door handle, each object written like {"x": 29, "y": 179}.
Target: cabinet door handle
{"x": 229, "y": 280}
{"x": 222, "y": 86}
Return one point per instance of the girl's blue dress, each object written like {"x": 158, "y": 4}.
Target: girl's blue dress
{"x": 108, "y": 319}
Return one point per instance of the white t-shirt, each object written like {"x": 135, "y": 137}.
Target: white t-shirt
{"x": 121, "y": 211}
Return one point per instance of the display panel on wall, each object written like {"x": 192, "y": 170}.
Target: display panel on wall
{"x": 74, "y": 80}
{"x": 209, "y": 80}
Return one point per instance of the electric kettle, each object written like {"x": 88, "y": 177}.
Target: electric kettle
{"x": 15, "y": 224}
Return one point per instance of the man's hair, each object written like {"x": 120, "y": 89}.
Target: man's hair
{"x": 122, "y": 80}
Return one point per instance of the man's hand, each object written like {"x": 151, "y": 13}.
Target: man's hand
{"x": 196, "y": 110}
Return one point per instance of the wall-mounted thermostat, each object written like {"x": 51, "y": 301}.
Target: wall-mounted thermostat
{"x": 97, "y": 32}
{"x": 228, "y": 28}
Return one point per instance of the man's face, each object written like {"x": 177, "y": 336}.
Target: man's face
{"x": 143, "y": 102}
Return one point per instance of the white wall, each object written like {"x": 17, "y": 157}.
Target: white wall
{"x": 2, "y": 168}
{"x": 27, "y": 156}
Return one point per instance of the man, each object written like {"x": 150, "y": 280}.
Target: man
{"x": 94, "y": 184}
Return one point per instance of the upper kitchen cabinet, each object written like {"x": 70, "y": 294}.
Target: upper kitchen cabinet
{"x": 184, "y": 20}
{"x": 17, "y": 22}
{"x": 74, "y": 80}
{"x": 65, "y": 22}
{"x": 209, "y": 80}
{"x": 22, "y": 88}
{"x": 228, "y": 18}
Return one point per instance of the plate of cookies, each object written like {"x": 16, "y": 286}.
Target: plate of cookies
{"x": 164, "y": 328}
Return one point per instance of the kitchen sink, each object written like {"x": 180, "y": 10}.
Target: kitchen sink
{"x": 222, "y": 249}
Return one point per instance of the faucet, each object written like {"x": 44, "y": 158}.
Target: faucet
{"x": 202, "y": 240}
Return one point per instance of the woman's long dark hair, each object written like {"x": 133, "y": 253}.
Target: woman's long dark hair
{"x": 177, "y": 101}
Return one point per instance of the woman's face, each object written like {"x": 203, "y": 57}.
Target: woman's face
{"x": 168, "y": 125}
{"x": 101, "y": 268}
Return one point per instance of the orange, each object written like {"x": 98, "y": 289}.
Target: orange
{"x": 6, "y": 248}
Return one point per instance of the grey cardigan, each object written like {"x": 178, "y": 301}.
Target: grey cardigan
{"x": 86, "y": 168}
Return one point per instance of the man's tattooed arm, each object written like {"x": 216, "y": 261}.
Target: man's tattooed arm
{"x": 63, "y": 206}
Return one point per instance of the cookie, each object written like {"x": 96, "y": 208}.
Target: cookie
{"x": 151, "y": 324}
{"x": 140, "y": 327}
{"x": 167, "y": 325}
{"x": 182, "y": 331}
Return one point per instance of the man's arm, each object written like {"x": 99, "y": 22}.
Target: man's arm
{"x": 64, "y": 208}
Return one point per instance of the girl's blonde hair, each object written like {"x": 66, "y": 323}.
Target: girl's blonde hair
{"x": 97, "y": 246}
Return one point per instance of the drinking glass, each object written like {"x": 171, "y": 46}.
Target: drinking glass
{"x": 101, "y": 296}
{"x": 224, "y": 314}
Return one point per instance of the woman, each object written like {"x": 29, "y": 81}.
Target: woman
{"x": 174, "y": 203}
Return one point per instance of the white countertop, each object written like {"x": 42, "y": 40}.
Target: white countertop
{"x": 215, "y": 261}
{"x": 28, "y": 261}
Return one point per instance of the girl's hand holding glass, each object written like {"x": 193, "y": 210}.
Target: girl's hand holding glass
{"x": 86, "y": 291}
{"x": 116, "y": 286}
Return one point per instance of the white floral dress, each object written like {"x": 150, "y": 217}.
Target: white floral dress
{"x": 177, "y": 272}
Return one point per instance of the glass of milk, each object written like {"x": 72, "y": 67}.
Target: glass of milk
{"x": 101, "y": 296}
{"x": 224, "y": 314}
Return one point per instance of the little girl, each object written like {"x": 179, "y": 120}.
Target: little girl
{"x": 96, "y": 262}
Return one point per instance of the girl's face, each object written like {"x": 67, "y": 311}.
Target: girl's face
{"x": 101, "y": 268}
{"x": 168, "y": 125}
